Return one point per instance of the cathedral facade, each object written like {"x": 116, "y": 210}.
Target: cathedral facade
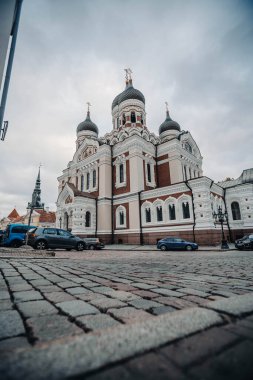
{"x": 132, "y": 186}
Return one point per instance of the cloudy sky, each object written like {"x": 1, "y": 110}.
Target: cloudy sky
{"x": 195, "y": 54}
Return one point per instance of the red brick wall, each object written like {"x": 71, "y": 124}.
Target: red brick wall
{"x": 163, "y": 197}
{"x": 164, "y": 174}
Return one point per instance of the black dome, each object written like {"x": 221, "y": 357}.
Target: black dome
{"x": 87, "y": 125}
{"x": 129, "y": 93}
{"x": 168, "y": 125}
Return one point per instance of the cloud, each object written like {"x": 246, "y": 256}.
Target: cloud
{"x": 196, "y": 55}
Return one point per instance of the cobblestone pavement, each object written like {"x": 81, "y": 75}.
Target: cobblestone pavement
{"x": 130, "y": 314}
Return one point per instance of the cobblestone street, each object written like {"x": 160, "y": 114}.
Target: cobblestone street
{"x": 126, "y": 314}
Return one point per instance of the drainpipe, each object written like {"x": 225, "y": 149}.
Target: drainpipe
{"x": 96, "y": 230}
{"x": 112, "y": 213}
{"x": 156, "y": 167}
{"x": 193, "y": 209}
{"x": 141, "y": 232}
{"x": 229, "y": 230}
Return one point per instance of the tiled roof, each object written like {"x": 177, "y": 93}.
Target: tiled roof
{"x": 13, "y": 215}
{"x": 47, "y": 217}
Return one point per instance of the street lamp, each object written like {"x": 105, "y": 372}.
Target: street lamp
{"x": 60, "y": 219}
{"x": 221, "y": 217}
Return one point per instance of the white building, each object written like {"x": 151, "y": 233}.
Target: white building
{"x": 132, "y": 186}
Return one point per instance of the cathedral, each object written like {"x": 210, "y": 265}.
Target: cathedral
{"x": 133, "y": 186}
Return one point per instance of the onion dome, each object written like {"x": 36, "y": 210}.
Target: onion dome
{"x": 87, "y": 125}
{"x": 168, "y": 124}
{"x": 129, "y": 93}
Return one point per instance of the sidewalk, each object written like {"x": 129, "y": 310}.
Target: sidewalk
{"x": 146, "y": 247}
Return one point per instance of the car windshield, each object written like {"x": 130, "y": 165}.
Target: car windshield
{"x": 245, "y": 237}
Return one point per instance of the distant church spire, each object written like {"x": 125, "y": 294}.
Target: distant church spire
{"x": 36, "y": 200}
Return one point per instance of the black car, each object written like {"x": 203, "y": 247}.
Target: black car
{"x": 175, "y": 243}
{"x": 246, "y": 242}
{"x": 43, "y": 238}
{"x": 93, "y": 243}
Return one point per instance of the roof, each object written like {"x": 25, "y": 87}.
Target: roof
{"x": 13, "y": 215}
{"x": 87, "y": 125}
{"x": 47, "y": 217}
{"x": 168, "y": 124}
{"x": 129, "y": 93}
{"x": 245, "y": 177}
{"x": 78, "y": 193}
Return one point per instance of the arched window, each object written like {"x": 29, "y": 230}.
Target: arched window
{"x": 141, "y": 118}
{"x": 133, "y": 117}
{"x": 94, "y": 178}
{"x": 172, "y": 212}
{"x": 121, "y": 173}
{"x": 188, "y": 147}
{"x": 186, "y": 210}
{"x": 121, "y": 218}
{"x": 148, "y": 215}
{"x": 87, "y": 219}
{"x": 82, "y": 182}
{"x": 88, "y": 181}
{"x": 123, "y": 119}
{"x": 236, "y": 213}
{"x": 149, "y": 172}
{"x": 159, "y": 213}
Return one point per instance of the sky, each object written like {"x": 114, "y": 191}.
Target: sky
{"x": 195, "y": 54}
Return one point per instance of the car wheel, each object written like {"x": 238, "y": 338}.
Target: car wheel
{"x": 163, "y": 248}
{"x": 41, "y": 245}
{"x": 188, "y": 248}
{"x": 80, "y": 246}
{"x": 92, "y": 247}
{"x": 16, "y": 244}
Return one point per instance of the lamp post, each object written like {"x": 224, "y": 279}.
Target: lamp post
{"x": 221, "y": 217}
{"x": 60, "y": 219}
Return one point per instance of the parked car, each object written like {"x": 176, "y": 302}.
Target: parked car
{"x": 93, "y": 243}
{"x": 174, "y": 243}
{"x": 246, "y": 242}
{"x": 1, "y": 235}
{"x": 14, "y": 235}
{"x": 44, "y": 237}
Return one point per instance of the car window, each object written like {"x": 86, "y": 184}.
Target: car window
{"x": 251, "y": 237}
{"x": 19, "y": 229}
{"x": 177, "y": 240}
{"x": 169, "y": 239}
{"x": 50, "y": 231}
{"x": 64, "y": 233}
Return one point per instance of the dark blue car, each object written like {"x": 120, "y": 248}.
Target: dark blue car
{"x": 14, "y": 235}
{"x": 174, "y": 243}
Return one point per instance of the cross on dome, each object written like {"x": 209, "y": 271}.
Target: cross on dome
{"x": 88, "y": 104}
{"x": 128, "y": 74}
